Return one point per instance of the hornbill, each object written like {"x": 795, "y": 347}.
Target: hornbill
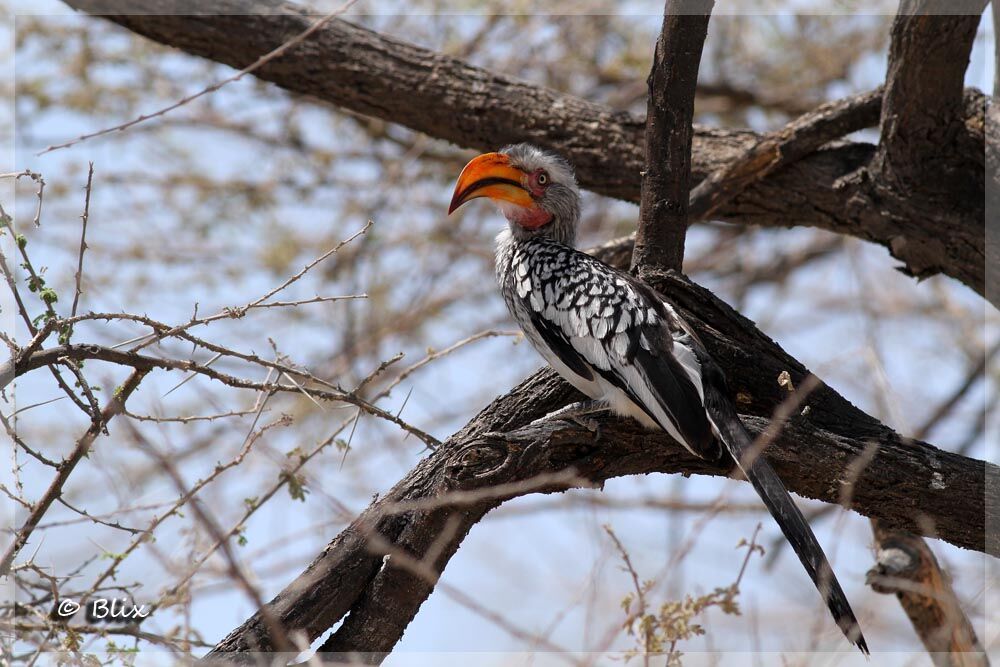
{"x": 619, "y": 342}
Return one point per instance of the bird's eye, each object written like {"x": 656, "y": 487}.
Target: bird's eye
{"x": 543, "y": 178}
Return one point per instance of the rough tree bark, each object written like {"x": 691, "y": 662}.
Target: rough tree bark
{"x": 929, "y": 162}
{"x": 993, "y": 200}
{"x": 359, "y": 70}
{"x": 666, "y": 179}
{"x": 775, "y": 150}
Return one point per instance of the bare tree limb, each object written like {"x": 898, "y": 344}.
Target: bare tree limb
{"x": 357, "y": 69}
{"x": 775, "y": 150}
{"x": 84, "y": 218}
{"x": 74, "y": 352}
{"x": 972, "y": 377}
{"x": 923, "y": 112}
{"x": 663, "y": 207}
{"x": 263, "y": 60}
{"x": 992, "y": 130}
{"x": 234, "y": 568}
{"x": 928, "y": 169}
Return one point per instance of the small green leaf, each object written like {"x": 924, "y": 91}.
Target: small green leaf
{"x": 296, "y": 485}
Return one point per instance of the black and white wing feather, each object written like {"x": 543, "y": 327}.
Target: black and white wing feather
{"x": 619, "y": 342}
{"x": 614, "y": 339}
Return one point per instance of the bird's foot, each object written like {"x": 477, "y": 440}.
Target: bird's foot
{"x": 589, "y": 423}
{"x": 580, "y": 413}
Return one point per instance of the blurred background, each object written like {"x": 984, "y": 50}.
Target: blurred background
{"x": 223, "y": 199}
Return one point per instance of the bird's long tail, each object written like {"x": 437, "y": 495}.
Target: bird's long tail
{"x": 781, "y": 506}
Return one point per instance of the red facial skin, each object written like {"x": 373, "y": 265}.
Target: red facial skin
{"x": 530, "y": 218}
{"x": 535, "y": 216}
{"x": 533, "y": 186}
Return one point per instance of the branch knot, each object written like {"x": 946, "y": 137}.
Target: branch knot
{"x": 477, "y": 462}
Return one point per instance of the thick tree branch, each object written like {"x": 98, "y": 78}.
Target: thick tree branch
{"x": 362, "y": 71}
{"x": 923, "y": 115}
{"x": 775, "y": 150}
{"x": 673, "y": 77}
{"x": 923, "y": 112}
{"x": 928, "y": 169}
{"x": 992, "y": 130}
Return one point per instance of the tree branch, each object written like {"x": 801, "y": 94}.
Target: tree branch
{"x": 54, "y": 355}
{"x": 357, "y": 69}
{"x": 663, "y": 207}
{"x": 928, "y": 169}
{"x": 992, "y": 130}
{"x": 776, "y": 150}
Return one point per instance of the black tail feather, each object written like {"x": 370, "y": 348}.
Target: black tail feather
{"x": 781, "y": 506}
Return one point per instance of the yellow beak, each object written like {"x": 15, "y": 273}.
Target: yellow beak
{"x": 491, "y": 175}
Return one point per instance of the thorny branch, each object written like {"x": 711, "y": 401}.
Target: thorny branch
{"x": 329, "y": 392}
{"x": 34, "y": 355}
{"x": 281, "y": 640}
{"x": 84, "y": 219}
{"x": 82, "y": 447}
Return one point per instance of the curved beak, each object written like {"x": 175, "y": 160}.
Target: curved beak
{"x": 491, "y": 175}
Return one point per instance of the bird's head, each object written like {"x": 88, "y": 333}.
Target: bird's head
{"x": 535, "y": 190}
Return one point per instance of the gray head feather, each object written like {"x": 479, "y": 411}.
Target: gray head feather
{"x": 561, "y": 198}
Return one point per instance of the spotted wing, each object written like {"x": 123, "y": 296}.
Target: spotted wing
{"x": 598, "y": 320}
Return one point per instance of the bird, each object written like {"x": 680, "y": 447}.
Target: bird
{"x": 619, "y": 342}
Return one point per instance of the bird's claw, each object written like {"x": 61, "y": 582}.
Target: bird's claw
{"x": 578, "y": 414}
{"x": 589, "y": 423}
